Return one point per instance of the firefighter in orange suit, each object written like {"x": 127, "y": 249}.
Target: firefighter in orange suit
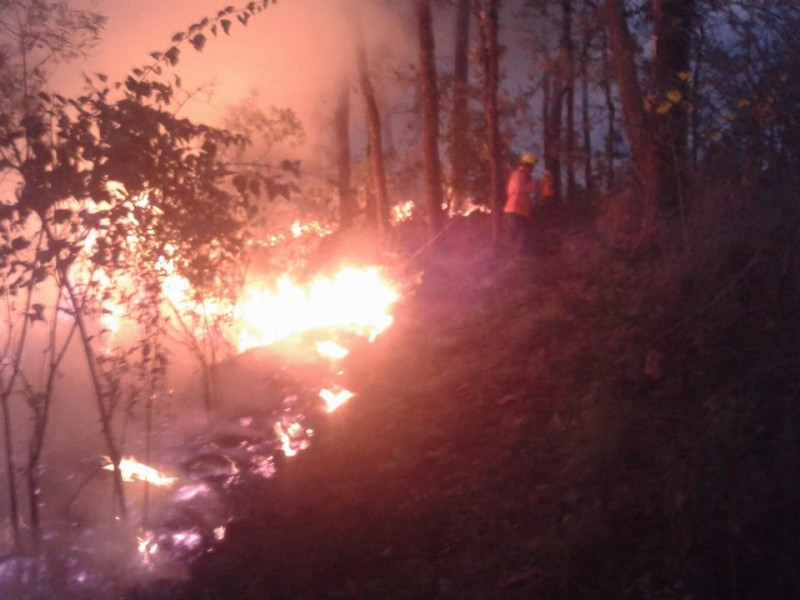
{"x": 522, "y": 190}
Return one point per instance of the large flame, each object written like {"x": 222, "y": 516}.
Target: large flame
{"x": 354, "y": 299}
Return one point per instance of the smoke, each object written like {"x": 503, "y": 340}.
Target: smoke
{"x": 295, "y": 53}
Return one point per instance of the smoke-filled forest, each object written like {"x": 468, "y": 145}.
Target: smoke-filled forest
{"x": 442, "y": 299}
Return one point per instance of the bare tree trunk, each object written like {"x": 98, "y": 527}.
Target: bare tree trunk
{"x": 430, "y": 115}
{"x": 378, "y": 169}
{"x": 104, "y": 409}
{"x": 41, "y": 406}
{"x": 696, "y": 99}
{"x": 552, "y": 130}
{"x": 8, "y": 387}
{"x": 586, "y": 123}
{"x": 658, "y": 139}
{"x": 459, "y": 123}
{"x": 489, "y": 21}
{"x": 672, "y": 25}
{"x": 636, "y": 122}
{"x": 11, "y": 468}
{"x": 611, "y": 113}
{"x": 569, "y": 96}
{"x": 347, "y": 205}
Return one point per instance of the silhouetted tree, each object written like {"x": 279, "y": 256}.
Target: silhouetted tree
{"x": 459, "y": 121}
{"x": 489, "y": 24}
{"x": 430, "y": 115}
{"x": 653, "y": 116}
{"x": 375, "y": 141}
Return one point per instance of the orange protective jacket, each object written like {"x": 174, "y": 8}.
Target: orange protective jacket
{"x": 518, "y": 192}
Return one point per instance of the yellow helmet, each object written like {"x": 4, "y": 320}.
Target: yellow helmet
{"x": 528, "y": 159}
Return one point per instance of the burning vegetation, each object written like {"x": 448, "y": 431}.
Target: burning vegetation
{"x": 229, "y": 372}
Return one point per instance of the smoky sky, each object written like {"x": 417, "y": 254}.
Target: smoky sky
{"x": 294, "y": 53}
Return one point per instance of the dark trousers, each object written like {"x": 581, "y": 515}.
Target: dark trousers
{"x": 519, "y": 233}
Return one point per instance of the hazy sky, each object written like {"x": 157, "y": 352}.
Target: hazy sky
{"x": 292, "y": 52}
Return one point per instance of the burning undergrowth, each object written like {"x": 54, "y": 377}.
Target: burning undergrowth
{"x": 182, "y": 472}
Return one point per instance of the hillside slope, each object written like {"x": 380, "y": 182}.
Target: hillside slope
{"x": 565, "y": 426}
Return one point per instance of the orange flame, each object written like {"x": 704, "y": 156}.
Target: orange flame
{"x": 334, "y": 399}
{"x": 132, "y": 470}
{"x": 355, "y": 299}
{"x": 332, "y": 350}
{"x": 291, "y": 436}
{"x": 403, "y": 211}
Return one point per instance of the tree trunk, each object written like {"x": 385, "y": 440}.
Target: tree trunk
{"x": 635, "y": 121}
{"x": 378, "y": 170}
{"x": 552, "y": 129}
{"x": 430, "y": 115}
{"x": 569, "y": 96}
{"x": 459, "y": 123}
{"x": 489, "y": 21}
{"x": 611, "y": 113}
{"x": 672, "y": 27}
{"x": 658, "y": 138}
{"x": 586, "y": 123}
{"x": 347, "y": 205}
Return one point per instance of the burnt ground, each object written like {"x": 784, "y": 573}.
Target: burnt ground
{"x": 585, "y": 423}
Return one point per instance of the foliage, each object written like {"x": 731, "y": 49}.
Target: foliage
{"x": 752, "y": 100}
{"x": 106, "y": 195}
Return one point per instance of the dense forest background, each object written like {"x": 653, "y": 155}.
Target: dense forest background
{"x": 667, "y": 261}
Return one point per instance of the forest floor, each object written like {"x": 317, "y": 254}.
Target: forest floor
{"x": 555, "y": 426}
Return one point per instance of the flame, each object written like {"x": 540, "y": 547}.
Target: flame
{"x": 403, "y": 211}
{"x": 295, "y": 231}
{"x": 330, "y": 349}
{"x": 132, "y": 470}
{"x": 334, "y": 399}
{"x": 147, "y": 545}
{"x": 292, "y": 437}
{"x": 354, "y": 299}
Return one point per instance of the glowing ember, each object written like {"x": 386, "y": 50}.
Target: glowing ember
{"x": 334, "y": 400}
{"x": 403, "y": 211}
{"x": 354, "y": 299}
{"x": 133, "y": 470}
{"x": 292, "y": 437}
{"x": 330, "y": 349}
{"x": 263, "y": 466}
{"x": 147, "y": 545}
{"x": 471, "y": 207}
{"x": 192, "y": 491}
